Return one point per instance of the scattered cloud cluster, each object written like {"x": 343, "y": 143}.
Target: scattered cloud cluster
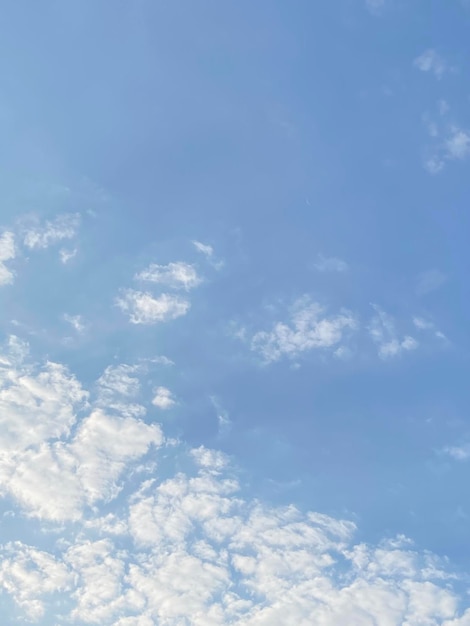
{"x": 189, "y": 548}
{"x": 143, "y": 307}
{"x": 42, "y": 236}
{"x": 36, "y": 237}
{"x": 451, "y": 141}
{"x": 197, "y": 551}
{"x": 309, "y": 328}
{"x": 53, "y": 463}
{"x": 452, "y": 145}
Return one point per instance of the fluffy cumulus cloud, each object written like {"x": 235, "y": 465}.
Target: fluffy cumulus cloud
{"x": 199, "y": 552}
{"x": 163, "y": 398}
{"x": 41, "y": 236}
{"x": 175, "y": 275}
{"x": 309, "y": 328}
{"x": 53, "y": 463}
{"x": 7, "y": 252}
{"x": 189, "y": 548}
{"x": 144, "y": 308}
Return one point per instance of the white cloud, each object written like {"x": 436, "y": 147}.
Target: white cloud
{"x": 75, "y": 321}
{"x": 67, "y": 255}
{"x": 382, "y": 330}
{"x": 31, "y": 575}
{"x": 458, "y": 144}
{"x": 143, "y": 308}
{"x": 7, "y": 253}
{"x": 426, "y": 325}
{"x": 330, "y": 264}
{"x": 201, "y": 553}
{"x": 375, "y": 6}
{"x": 308, "y": 329}
{"x": 459, "y": 453}
{"x": 430, "y": 281}
{"x": 452, "y": 145}
{"x": 63, "y": 227}
{"x": 431, "y": 61}
{"x": 175, "y": 275}
{"x": 163, "y": 398}
{"x": 49, "y": 472}
{"x": 205, "y": 249}
{"x": 36, "y": 402}
{"x": 55, "y": 481}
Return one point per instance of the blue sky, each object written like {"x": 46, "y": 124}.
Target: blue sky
{"x": 234, "y": 311}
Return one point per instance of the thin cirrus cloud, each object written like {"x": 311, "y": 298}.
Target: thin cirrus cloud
{"x": 330, "y": 264}
{"x": 458, "y": 453}
{"x": 67, "y": 255}
{"x": 75, "y": 321}
{"x": 309, "y": 328}
{"x": 174, "y": 275}
{"x": 375, "y": 6}
{"x": 7, "y": 253}
{"x": 204, "y": 248}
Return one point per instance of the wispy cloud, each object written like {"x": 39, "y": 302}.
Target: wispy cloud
{"x": 330, "y": 264}
{"x": 67, "y": 255}
{"x": 174, "y": 275}
{"x": 204, "y": 248}
{"x": 75, "y": 321}
{"x": 7, "y": 253}
{"x": 308, "y": 328}
{"x": 451, "y": 144}
{"x": 425, "y": 325}
{"x": 430, "y": 281}
{"x": 431, "y": 61}
{"x": 375, "y": 6}
{"x": 208, "y": 252}
{"x": 143, "y": 308}
{"x": 42, "y": 236}
{"x": 458, "y": 453}
{"x": 382, "y": 331}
